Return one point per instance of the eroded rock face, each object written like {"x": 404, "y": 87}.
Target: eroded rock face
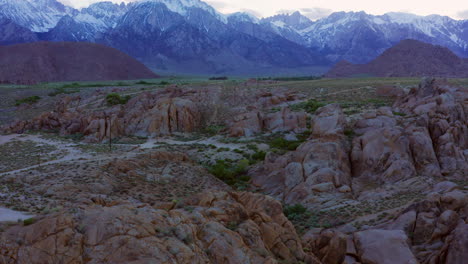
{"x": 212, "y": 228}
{"x": 149, "y": 114}
{"x": 382, "y": 155}
{"x": 330, "y": 246}
{"x": 435, "y": 226}
{"x": 319, "y": 165}
{"x": 444, "y": 109}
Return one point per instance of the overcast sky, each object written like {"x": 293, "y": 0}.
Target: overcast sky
{"x": 318, "y": 8}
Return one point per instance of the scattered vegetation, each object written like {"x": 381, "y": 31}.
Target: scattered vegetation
{"x": 116, "y": 99}
{"x": 280, "y": 144}
{"x": 28, "y": 100}
{"x": 289, "y": 79}
{"x": 19, "y": 154}
{"x": 91, "y": 85}
{"x": 294, "y": 211}
{"x": 398, "y": 113}
{"x": 221, "y": 78}
{"x": 29, "y": 221}
{"x": 62, "y": 90}
{"x": 258, "y": 156}
{"x": 232, "y": 173}
{"x": 145, "y": 83}
{"x": 213, "y": 130}
{"x": 348, "y": 213}
{"x": 310, "y": 106}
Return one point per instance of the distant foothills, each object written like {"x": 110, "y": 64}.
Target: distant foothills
{"x": 191, "y": 37}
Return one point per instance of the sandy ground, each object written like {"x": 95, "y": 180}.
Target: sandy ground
{"x": 7, "y": 215}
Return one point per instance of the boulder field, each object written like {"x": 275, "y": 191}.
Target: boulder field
{"x": 161, "y": 207}
{"x": 425, "y": 133}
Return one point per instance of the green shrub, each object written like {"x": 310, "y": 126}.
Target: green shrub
{"x": 62, "y": 90}
{"x": 294, "y": 211}
{"x": 222, "y": 78}
{"x": 258, "y": 156}
{"x": 116, "y": 99}
{"x": 310, "y": 106}
{"x": 28, "y": 100}
{"x": 252, "y": 147}
{"x": 399, "y": 114}
{"x": 213, "y": 130}
{"x": 232, "y": 174}
{"x": 29, "y": 221}
{"x": 283, "y": 144}
{"x": 164, "y": 83}
{"x": 144, "y": 83}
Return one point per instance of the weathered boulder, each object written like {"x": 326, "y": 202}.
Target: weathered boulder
{"x": 383, "y": 247}
{"x": 285, "y": 120}
{"x": 382, "y": 155}
{"x": 329, "y": 245}
{"x": 246, "y": 124}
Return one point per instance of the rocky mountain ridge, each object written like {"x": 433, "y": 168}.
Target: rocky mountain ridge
{"x": 218, "y": 43}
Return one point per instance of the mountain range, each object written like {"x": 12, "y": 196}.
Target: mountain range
{"x": 190, "y": 36}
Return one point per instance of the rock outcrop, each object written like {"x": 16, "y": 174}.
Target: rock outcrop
{"x": 211, "y": 228}
{"x": 149, "y": 114}
{"x": 442, "y": 110}
{"x": 319, "y": 165}
{"x": 424, "y": 134}
{"x": 254, "y": 122}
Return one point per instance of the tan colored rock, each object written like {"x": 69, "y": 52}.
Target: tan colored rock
{"x": 246, "y": 124}
{"x": 285, "y": 120}
{"x": 320, "y": 164}
{"x": 382, "y": 155}
{"x": 219, "y": 228}
{"x": 444, "y": 108}
{"x": 457, "y": 250}
{"x": 329, "y": 245}
{"x": 384, "y": 247}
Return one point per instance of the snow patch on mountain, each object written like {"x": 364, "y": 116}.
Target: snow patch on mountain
{"x": 182, "y": 6}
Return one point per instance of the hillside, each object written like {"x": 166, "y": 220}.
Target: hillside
{"x": 67, "y": 61}
{"x": 409, "y": 58}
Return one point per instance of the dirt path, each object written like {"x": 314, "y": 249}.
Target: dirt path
{"x": 72, "y": 153}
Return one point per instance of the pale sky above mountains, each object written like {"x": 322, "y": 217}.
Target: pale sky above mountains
{"x": 315, "y": 9}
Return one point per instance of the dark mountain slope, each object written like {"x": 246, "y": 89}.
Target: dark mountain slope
{"x": 67, "y": 61}
{"x": 409, "y": 58}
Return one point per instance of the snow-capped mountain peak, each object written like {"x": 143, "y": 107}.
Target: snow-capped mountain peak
{"x": 243, "y": 17}
{"x": 295, "y": 21}
{"x": 102, "y": 15}
{"x": 36, "y": 15}
{"x": 182, "y": 6}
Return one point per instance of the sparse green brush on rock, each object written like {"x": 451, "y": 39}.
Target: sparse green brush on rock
{"x": 115, "y": 99}
{"x": 234, "y": 174}
{"x": 62, "y": 90}
{"x": 28, "y": 100}
{"x": 309, "y": 106}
